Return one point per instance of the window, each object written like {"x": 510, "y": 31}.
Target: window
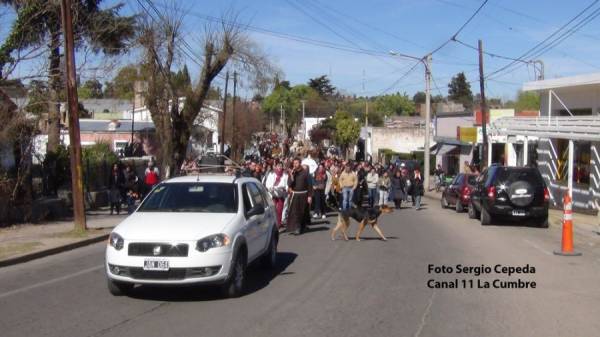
{"x": 257, "y": 198}
{"x": 192, "y": 197}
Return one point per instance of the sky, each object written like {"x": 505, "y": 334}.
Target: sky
{"x": 350, "y": 41}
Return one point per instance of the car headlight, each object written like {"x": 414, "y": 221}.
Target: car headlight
{"x": 213, "y": 241}
{"x": 116, "y": 241}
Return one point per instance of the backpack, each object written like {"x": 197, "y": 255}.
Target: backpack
{"x": 151, "y": 178}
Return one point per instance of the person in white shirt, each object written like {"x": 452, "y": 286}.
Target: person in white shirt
{"x": 311, "y": 163}
{"x": 277, "y": 183}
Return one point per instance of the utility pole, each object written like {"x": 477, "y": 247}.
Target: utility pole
{"x": 281, "y": 118}
{"x": 303, "y": 121}
{"x": 224, "y": 115}
{"x": 367, "y": 112}
{"x": 132, "y": 116}
{"x": 426, "y": 150}
{"x": 74, "y": 135}
{"x": 483, "y": 108}
{"x": 234, "y": 134}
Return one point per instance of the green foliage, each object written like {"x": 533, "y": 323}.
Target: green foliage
{"x": 527, "y": 100}
{"x": 104, "y": 30}
{"x": 122, "y": 85}
{"x": 419, "y": 97}
{"x": 347, "y": 129}
{"x": 396, "y": 104}
{"x": 459, "y": 90}
{"x": 90, "y": 89}
{"x": 181, "y": 81}
{"x": 322, "y": 85}
{"x": 38, "y": 98}
{"x": 98, "y": 153}
{"x": 57, "y": 163}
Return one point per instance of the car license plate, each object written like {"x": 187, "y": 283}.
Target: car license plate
{"x": 518, "y": 212}
{"x": 161, "y": 265}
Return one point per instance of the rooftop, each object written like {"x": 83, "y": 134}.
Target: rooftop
{"x": 203, "y": 178}
{"x": 118, "y": 126}
{"x": 563, "y": 82}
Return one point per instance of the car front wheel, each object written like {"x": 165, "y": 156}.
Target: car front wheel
{"x": 234, "y": 287}
{"x": 117, "y": 288}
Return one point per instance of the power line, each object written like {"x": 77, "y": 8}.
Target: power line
{"x": 537, "y": 46}
{"x": 455, "y": 35}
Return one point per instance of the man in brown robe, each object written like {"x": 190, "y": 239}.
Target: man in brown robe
{"x": 300, "y": 192}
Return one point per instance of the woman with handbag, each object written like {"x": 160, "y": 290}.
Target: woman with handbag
{"x": 276, "y": 183}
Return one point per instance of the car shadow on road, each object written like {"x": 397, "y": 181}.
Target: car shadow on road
{"x": 257, "y": 279}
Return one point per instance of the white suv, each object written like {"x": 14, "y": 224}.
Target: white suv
{"x": 195, "y": 229}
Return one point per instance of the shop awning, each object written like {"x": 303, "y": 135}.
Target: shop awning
{"x": 444, "y": 149}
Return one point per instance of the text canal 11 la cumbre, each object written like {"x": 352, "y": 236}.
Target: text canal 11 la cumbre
{"x": 497, "y": 276}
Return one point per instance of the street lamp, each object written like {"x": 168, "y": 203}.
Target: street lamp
{"x": 426, "y": 61}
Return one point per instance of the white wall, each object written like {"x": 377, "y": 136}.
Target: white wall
{"x": 583, "y": 97}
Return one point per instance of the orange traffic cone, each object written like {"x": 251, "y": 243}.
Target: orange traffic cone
{"x": 567, "y": 232}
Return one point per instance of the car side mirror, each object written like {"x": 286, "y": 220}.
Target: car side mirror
{"x": 256, "y": 210}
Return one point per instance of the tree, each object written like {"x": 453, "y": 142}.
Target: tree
{"x": 182, "y": 81}
{"x": 322, "y": 85}
{"x": 347, "y": 129}
{"x": 419, "y": 97}
{"x": 90, "y": 89}
{"x": 37, "y": 103}
{"x": 459, "y": 90}
{"x": 396, "y": 104}
{"x": 527, "y": 100}
{"x": 38, "y": 24}
{"x": 122, "y": 83}
{"x": 223, "y": 43}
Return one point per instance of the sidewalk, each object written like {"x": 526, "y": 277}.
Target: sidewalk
{"x": 25, "y": 242}
{"x": 583, "y": 223}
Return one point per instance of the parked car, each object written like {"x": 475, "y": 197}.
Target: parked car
{"x": 512, "y": 193}
{"x": 458, "y": 192}
{"x": 194, "y": 230}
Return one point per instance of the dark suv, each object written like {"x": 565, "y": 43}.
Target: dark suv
{"x": 510, "y": 193}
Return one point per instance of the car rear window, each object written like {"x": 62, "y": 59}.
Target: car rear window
{"x": 192, "y": 197}
{"x": 510, "y": 175}
{"x": 472, "y": 180}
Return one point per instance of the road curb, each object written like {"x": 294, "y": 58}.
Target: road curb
{"x": 52, "y": 251}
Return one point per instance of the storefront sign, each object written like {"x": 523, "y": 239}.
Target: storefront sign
{"x": 467, "y": 134}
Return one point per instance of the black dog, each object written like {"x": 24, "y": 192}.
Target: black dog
{"x": 363, "y": 216}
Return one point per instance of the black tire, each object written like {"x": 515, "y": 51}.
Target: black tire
{"x": 235, "y": 285}
{"x": 473, "y": 214}
{"x": 117, "y": 288}
{"x": 486, "y": 218}
{"x": 444, "y": 202}
{"x": 269, "y": 259}
{"x": 459, "y": 208}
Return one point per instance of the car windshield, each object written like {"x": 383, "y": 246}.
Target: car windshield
{"x": 192, "y": 197}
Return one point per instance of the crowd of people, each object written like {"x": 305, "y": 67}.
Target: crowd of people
{"x": 309, "y": 184}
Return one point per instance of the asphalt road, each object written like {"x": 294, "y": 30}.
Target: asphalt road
{"x": 324, "y": 288}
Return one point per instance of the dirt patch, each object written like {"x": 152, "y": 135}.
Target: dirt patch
{"x": 13, "y": 249}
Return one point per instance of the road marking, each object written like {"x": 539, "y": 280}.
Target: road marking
{"x": 425, "y": 314}
{"x": 45, "y": 283}
{"x": 537, "y": 247}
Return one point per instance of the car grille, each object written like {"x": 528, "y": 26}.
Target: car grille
{"x": 171, "y": 274}
{"x": 150, "y": 249}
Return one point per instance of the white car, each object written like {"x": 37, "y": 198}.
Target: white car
{"x": 203, "y": 229}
